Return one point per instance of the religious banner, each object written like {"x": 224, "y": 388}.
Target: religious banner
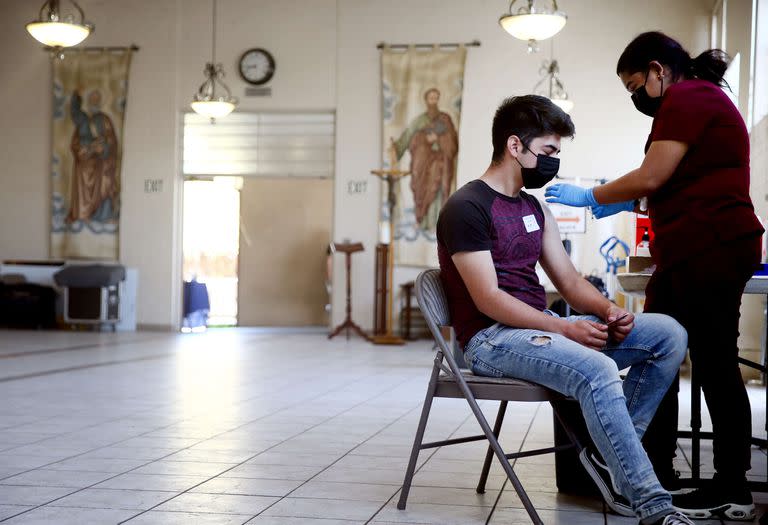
{"x": 421, "y": 98}
{"x": 89, "y": 96}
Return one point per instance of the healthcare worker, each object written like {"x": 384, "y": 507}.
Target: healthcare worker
{"x": 695, "y": 176}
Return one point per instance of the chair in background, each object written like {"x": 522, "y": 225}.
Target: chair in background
{"x": 453, "y": 382}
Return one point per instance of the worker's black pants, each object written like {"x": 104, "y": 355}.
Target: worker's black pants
{"x": 704, "y": 295}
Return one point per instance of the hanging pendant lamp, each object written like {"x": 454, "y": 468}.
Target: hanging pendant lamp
{"x": 57, "y": 28}
{"x": 534, "y": 22}
{"x": 551, "y": 86}
{"x": 213, "y": 98}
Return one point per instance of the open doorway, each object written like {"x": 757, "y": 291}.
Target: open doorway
{"x": 258, "y": 209}
{"x": 211, "y": 251}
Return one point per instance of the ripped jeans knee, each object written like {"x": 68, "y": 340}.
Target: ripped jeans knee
{"x": 540, "y": 340}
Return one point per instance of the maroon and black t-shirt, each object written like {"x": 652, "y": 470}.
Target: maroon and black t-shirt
{"x": 706, "y": 200}
{"x": 477, "y": 218}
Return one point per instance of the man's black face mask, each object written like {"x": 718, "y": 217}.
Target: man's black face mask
{"x": 545, "y": 170}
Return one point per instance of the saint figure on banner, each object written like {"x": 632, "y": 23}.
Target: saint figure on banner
{"x": 433, "y": 143}
{"x": 93, "y": 189}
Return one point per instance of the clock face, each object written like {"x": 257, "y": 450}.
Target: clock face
{"x": 257, "y": 66}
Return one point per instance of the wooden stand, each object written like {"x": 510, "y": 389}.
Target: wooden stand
{"x": 407, "y": 290}
{"x": 388, "y": 338}
{"x": 380, "y": 290}
{"x": 348, "y": 323}
{"x": 390, "y": 176}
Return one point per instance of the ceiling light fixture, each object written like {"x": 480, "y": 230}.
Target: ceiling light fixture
{"x": 57, "y": 28}
{"x": 551, "y": 86}
{"x": 534, "y": 23}
{"x": 207, "y": 101}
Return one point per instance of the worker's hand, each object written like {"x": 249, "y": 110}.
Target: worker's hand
{"x": 588, "y": 333}
{"x": 620, "y": 329}
{"x": 606, "y": 210}
{"x": 570, "y": 195}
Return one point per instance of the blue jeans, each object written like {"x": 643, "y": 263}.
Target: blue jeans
{"x": 617, "y": 414}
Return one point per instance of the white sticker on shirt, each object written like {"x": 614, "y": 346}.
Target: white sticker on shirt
{"x": 530, "y": 224}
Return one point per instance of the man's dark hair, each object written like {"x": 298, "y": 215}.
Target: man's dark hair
{"x": 528, "y": 117}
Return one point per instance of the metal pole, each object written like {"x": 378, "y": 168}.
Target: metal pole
{"x": 382, "y": 45}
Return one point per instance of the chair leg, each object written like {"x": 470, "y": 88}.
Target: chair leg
{"x": 489, "y": 454}
{"x": 419, "y": 439}
{"x": 494, "y": 443}
{"x": 567, "y": 427}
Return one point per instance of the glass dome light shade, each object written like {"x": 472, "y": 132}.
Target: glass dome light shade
{"x": 212, "y": 108}
{"x": 533, "y": 26}
{"x": 58, "y": 34}
{"x": 208, "y": 101}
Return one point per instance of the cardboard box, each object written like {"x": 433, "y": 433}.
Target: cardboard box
{"x": 633, "y": 282}
{"x": 637, "y": 264}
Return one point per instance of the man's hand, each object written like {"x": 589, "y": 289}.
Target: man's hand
{"x": 570, "y": 195}
{"x": 620, "y": 329}
{"x": 588, "y": 333}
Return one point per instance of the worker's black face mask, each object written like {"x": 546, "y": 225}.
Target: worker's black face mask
{"x": 545, "y": 170}
{"x": 643, "y": 102}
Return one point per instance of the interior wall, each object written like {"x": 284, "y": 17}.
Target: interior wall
{"x": 760, "y": 88}
{"x": 759, "y": 134}
{"x": 147, "y": 222}
{"x": 300, "y": 34}
{"x": 610, "y": 133}
{"x": 25, "y": 137}
{"x": 326, "y": 60}
{"x": 175, "y": 41}
{"x": 738, "y": 39}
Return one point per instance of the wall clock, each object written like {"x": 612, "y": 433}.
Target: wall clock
{"x": 257, "y": 66}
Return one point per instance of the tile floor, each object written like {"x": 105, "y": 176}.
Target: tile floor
{"x": 243, "y": 426}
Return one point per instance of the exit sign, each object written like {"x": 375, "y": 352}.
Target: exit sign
{"x": 153, "y": 185}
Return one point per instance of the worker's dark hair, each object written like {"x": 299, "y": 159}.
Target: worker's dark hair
{"x": 528, "y": 117}
{"x": 654, "y": 45}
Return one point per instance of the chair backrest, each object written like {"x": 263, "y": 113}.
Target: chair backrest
{"x": 434, "y": 305}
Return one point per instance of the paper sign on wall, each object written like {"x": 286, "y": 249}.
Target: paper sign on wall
{"x": 569, "y": 219}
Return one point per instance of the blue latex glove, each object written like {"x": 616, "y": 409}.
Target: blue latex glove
{"x": 606, "y": 210}
{"x": 570, "y": 195}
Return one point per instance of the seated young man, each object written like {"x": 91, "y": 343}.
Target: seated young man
{"x": 490, "y": 236}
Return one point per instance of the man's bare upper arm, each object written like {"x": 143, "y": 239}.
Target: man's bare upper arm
{"x": 554, "y": 258}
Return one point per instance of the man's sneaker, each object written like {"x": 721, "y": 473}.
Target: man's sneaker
{"x": 718, "y": 499}
{"x": 674, "y": 519}
{"x": 602, "y": 477}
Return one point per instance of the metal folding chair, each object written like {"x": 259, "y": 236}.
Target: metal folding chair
{"x": 453, "y": 382}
